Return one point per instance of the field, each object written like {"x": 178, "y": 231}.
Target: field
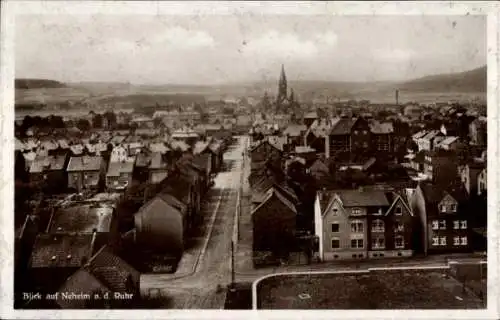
{"x": 388, "y": 289}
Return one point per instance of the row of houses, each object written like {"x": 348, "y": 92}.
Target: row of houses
{"x": 387, "y": 219}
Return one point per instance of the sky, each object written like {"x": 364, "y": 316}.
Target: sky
{"x": 211, "y": 49}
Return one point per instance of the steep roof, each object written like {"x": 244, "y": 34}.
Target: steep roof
{"x": 82, "y": 281}
{"x": 85, "y": 163}
{"x": 271, "y": 193}
{"x": 342, "y": 127}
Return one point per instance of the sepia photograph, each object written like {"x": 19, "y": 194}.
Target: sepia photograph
{"x": 249, "y": 161}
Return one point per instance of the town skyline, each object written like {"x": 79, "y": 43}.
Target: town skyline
{"x": 227, "y": 49}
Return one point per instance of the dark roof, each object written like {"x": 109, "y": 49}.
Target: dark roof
{"x": 82, "y": 218}
{"x": 85, "y": 163}
{"x": 201, "y": 161}
{"x": 82, "y": 281}
{"x": 343, "y": 126}
{"x": 174, "y": 202}
{"x": 359, "y": 198}
{"x": 116, "y": 168}
{"x": 61, "y": 250}
{"x": 276, "y": 193}
{"x": 433, "y": 194}
{"x": 112, "y": 271}
{"x": 178, "y": 187}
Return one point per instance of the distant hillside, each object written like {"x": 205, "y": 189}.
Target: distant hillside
{"x": 468, "y": 81}
{"x": 37, "y": 84}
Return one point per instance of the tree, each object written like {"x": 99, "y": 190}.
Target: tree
{"x": 97, "y": 121}
{"x": 83, "y": 125}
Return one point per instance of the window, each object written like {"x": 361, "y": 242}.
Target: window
{"x": 442, "y": 208}
{"x": 399, "y": 227}
{"x": 435, "y": 241}
{"x": 435, "y": 225}
{"x": 377, "y": 226}
{"x": 335, "y": 243}
{"x": 398, "y": 211}
{"x": 356, "y": 243}
{"x": 335, "y": 211}
{"x": 453, "y": 208}
{"x": 365, "y": 144}
{"x": 442, "y": 241}
{"x": 355, "y": 131}
{"x": 335, "y": 227}
{"x": 442, "y": 224}
{"x": 378, "y": 243}
{"x": 399, "y": 242}
{"x": 357, "y": 226}
{"x": 456, "y": 241}
{"x": 463, "y": 224}
{"x": 456, "y": 224}
{"x": 464, "y": 241}
{"x": 365, "y": 132}
{"x": 356, "y": 211}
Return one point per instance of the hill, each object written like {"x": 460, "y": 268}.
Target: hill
{"x": 469, "y": 81}
{"x": 37, "y": 84}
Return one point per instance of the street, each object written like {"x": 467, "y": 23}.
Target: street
{"x": 208, "y": 265}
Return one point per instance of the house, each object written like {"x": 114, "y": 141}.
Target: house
{"x": 274, "y": 223}
{"x": 56, "y": 256}
{"x": 350, "y": 139}
{"x": 391, "y": 231}
{"x": 217, "y": 155}
{"x": 382, "y": 135}
{"x": 447, "y": 143}
{"x": 321, "y": 173}
{"x": 161, "y": 224}
{"x": 104, "y": 273}
{"x": 469, "y": 175}
{"x": 77, "y": 149}
{"x": 309, "y": 118}
{"x": 428, "y": 141}
{"x": 50, "y": 172}
{"x": 203, "y": 161}
{"x": 340, "y": 219}
{"x": 158, "y": 168}
{"x": 449, "y": 129}
{"x": 120, "y": 174}
{"x": 263, "y": 151}
{"x": 441, "y": 166}
{"x": 261, "y": 187}
{"x": 317, "y": 133}
{"x": 295, "y": 134}
{"x": 279, "y": 142}
{"x": 478, "y": 131}
{"x": 85, "y": 172}
{"x": 482, "y": 184}
{"x": 443, "y": 218}
{"x": 120, "y": 154}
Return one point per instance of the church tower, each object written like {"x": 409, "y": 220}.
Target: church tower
{"x": 282, "y": 89}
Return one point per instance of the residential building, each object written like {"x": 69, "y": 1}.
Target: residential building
{"x": 317, "y": 134}
{"x": 340, "y": 218}
{"x": 478, "y": 131}
{"x": 443, "y": 218}
{"x": 441, "y": 166}
{"x": 85, "y": 172}
{"x": 120, "y": 174}
{"x": 158, "y": 168}
{"x": 382, "y": 136}
{"x": 390, "y": 231}
{"x": 274, "y": 223}
{"x": 470, "y": 177}
{"x": 263, "y": 151}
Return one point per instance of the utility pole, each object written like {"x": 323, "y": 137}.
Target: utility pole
{"x": 232, "y": 265}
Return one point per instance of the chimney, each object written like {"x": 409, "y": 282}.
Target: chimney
{"x": 397, "y": 97}
{"x": 327, "y": 146}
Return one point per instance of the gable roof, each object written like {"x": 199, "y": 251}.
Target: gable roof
{"x": 433, "y": 194}
{"x": 111, "y": 270}
{"x": 271, "y": 193}
{"x": 85, "y": 163}
{"x": 358, "y": 198}
{"x": 82, "y": 281}
{"x": 342, "y": 127}
{"x": 116, "y": 168}
{"x": 395, "y": 198}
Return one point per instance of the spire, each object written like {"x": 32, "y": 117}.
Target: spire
{"x": 282, "y": 88}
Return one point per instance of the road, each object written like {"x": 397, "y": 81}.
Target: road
{"x": 212, "y": 262}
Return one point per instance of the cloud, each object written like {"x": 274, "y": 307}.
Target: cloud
{"x": 290, "y": 45}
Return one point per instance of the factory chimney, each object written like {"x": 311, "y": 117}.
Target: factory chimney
{"x": 397, "y": 97}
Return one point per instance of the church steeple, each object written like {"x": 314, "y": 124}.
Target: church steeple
{"x": 282, "y": 88}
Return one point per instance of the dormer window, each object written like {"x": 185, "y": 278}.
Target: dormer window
{"x": 356, "y": 211}
{"x": 453, "y": 208}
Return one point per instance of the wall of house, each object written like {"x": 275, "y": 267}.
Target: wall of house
{"x": 75, "y": 180}
{"x": 89, "y": 177}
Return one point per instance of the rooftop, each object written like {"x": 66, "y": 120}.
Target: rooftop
{"x": 61, "y": 250}
{"x": 85, "y": 163}
{"x": 116, "y": 168}
{"x": 82, "y": 218}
